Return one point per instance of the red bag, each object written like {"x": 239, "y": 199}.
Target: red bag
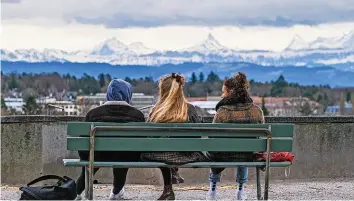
{"x": 275, "y": 156}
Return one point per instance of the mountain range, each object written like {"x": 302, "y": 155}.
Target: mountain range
{"x": 337, "y": 52}
{"x": 322, "y": 75}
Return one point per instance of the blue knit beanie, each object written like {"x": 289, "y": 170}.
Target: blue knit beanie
{"x": 119, "y": 90}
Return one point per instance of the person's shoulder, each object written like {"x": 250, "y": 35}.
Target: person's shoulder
{"x": 94, "y": 112}
{"x": 190, "y": 106}
{"x": 258, "y": 110}
{"x": 256, "y": 107}
{"x": 192, "y": 109}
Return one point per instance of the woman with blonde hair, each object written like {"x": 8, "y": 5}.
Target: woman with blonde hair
{"x": 172, "y": 107}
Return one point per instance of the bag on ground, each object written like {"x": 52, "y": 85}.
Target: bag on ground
{"x": 64, "y": 189}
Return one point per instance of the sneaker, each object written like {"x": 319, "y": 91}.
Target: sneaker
{"x": 211, "y": 195}
{"x": 241, "y": 195}
{"x": 117, "y": 196}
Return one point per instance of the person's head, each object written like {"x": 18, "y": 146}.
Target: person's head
{"x": 234, "y": 85}
{"x": 119, "y": 90}
{"x": 172, "y": 105}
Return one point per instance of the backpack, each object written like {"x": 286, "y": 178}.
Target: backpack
{"x": 65, "y": 189}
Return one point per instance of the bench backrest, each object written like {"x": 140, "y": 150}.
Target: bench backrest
{"x": 181, "y": 137}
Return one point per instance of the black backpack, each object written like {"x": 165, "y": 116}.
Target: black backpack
{"x": 65, "y": 189}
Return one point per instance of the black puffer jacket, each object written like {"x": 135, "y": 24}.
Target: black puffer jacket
{"x": 118, "y": 112}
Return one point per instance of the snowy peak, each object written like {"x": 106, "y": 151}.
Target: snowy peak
{"x": 341, "y": 42}
{"x": 345, "y": 42}
{"x": 208, "y": 45}
{"x": 110, "y": 46}
{"x": 212, "y": 43}
{"x": 297, "y": 44}
{"x": 139, "y": 48}
{"x": 329, "y": 51}
{"x": 348, "y": 40}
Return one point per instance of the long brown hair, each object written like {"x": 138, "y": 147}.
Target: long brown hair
{"x": 172, "y": 105}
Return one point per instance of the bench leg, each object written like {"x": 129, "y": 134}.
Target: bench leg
{"x": 259, "y": 188}
{"x": 267, "y": 171}
{"x": 86, "y": 182}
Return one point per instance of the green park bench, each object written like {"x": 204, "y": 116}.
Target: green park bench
{"x": 149, "y": 137}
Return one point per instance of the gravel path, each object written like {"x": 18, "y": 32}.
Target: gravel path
{"x": 279, "y": 190}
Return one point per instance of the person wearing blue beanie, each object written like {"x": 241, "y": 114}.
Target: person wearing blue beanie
{"x": 116, "y": 109}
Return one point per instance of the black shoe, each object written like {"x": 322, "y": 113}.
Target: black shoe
{"x": 167, "y": 193}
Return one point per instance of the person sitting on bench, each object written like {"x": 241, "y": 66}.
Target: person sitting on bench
{"x": 172, "y": 107}
{"x": 117, "y": 109}
{"x": 235, "y": 107}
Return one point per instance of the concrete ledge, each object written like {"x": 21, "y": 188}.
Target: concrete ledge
{"x": 32, "y": 146}
{"x": 299, "y": 120}
{"x": 39, "y": 118}
{"x": 295, "y": 120}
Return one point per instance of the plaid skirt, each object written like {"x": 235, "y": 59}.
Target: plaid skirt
{"x": 174, "y": 158}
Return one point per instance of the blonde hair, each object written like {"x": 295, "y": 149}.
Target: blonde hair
{"x": 172, "y": 105}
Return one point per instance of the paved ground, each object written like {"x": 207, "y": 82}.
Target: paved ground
{"x": 279, "y": 190}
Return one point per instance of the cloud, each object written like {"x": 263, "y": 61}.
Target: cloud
{"x": 11, "y": 1}
{"x": 153, "y": 13}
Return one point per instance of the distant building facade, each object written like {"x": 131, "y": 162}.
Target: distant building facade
{"x": 139, "y": 100}
{"x": 15, "y": 104}
{"x": 276, "y": 106}
{"x": 334, "y": 110}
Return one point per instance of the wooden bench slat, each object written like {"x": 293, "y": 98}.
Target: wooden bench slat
{"x": 176, "y": 129}
{"x": 78, "y": 162}
{"x": 177, "y": 144}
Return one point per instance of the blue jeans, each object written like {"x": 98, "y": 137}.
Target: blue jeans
{"x": 241, "y": 176}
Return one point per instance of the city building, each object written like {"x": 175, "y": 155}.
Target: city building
{"x": 335, "y": 110}
{"x": 66, "y": 108}
{"x": 207, "y": 106}
{"x": 139, "y": 100}
{"x": 142, "y": 102}
{"x": 15, "y": 104}
{"x": 276, "y": 106}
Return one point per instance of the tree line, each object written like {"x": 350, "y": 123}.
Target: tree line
{"x": 198, "y": 85}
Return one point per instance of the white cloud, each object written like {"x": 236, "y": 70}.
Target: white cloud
{"x": 171, "y": 24}
{"x": 123, "y": 13}
{"x": 17, "y": 34}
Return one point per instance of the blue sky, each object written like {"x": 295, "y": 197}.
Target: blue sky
{"x": 147, "y": 20}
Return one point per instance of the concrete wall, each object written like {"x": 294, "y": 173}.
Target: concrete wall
{"x": 35, "y": 145}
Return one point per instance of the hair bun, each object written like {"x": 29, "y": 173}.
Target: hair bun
{"x": 179, "y": 78}
{"x": 242, "y": 79}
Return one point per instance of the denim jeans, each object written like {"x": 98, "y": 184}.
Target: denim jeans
{"x": 241, "y": 176}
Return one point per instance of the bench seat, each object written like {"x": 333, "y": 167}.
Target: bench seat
{"x": 78, "y": 162}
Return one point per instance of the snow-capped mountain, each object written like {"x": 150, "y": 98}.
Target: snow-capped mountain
{"x": 297, "y": 44}
{"x": 140, "y": 49}
{"x": 111, "y": 46}
{"x": 335, "y": 51}
{"x": 208, "y": 46}
{"x": 345, "y": 42}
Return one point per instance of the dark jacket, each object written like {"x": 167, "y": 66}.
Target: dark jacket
{"x": 178, "y": 158}
{"x": 112, "y": 111}
{"x": 238, "y": 110}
